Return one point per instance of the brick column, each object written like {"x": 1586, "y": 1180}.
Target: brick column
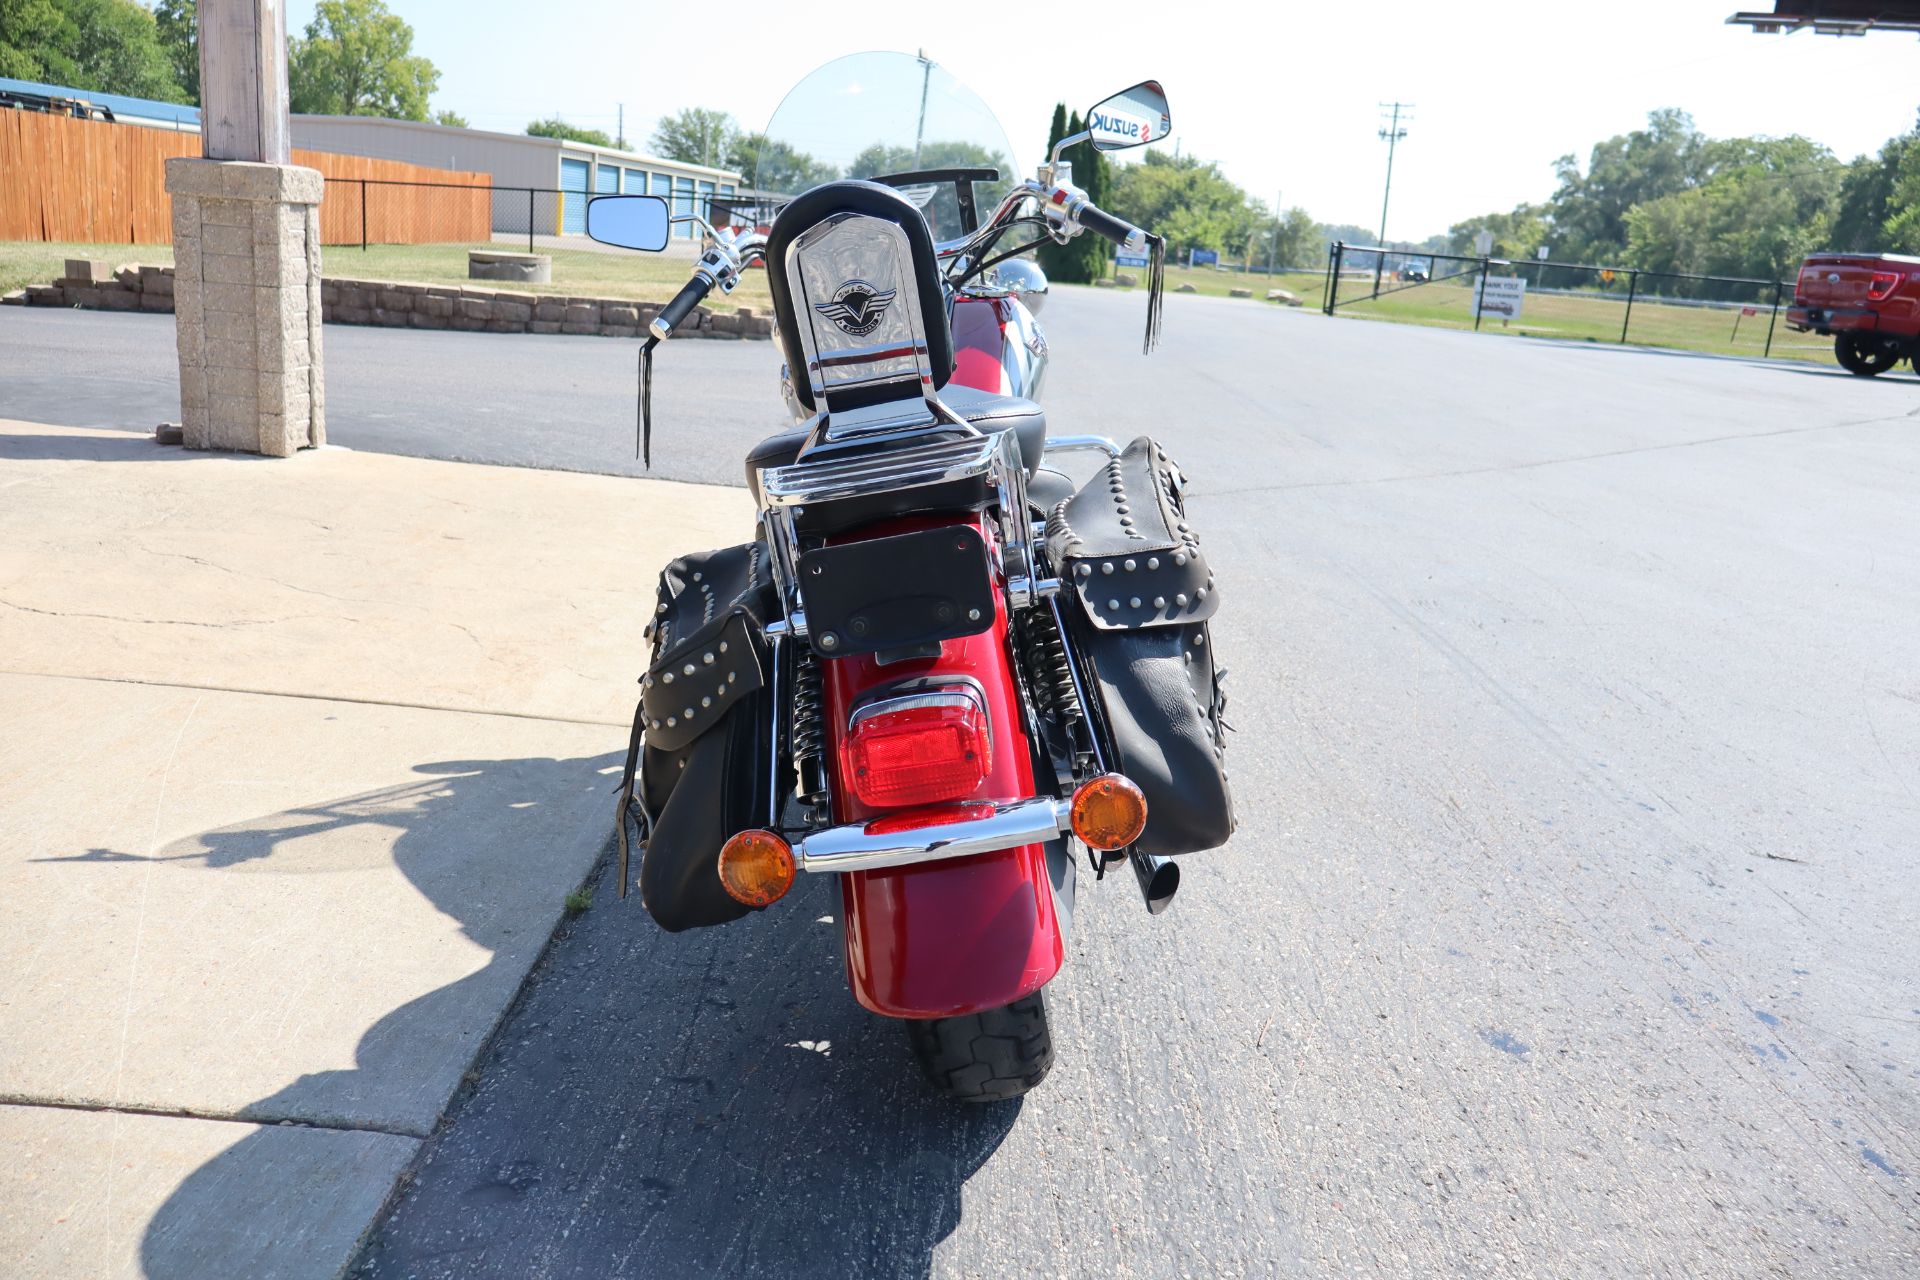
{"x": 246, "y": 252}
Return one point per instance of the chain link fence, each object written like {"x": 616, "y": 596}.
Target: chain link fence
{"x": 1725, "y": 315}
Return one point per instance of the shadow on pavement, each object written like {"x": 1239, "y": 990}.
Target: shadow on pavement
{"x": 129, "y": 446}
{"x": 245, "y": 1212}
{"x": 702, "y": 1104}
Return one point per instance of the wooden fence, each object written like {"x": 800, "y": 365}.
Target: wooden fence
{"x": 63, "y": 179}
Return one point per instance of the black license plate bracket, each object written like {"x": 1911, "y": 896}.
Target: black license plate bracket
{"x": 897, "y": 592}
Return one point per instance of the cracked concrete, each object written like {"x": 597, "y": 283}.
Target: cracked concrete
{"x": 286, "y": 817}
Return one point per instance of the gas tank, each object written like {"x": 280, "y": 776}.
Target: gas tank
{"x": 997, "y": 345}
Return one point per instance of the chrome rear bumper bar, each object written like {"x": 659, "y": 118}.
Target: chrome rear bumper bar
{"x": 855, "y": 848}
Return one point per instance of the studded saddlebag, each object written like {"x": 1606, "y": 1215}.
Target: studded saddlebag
{"x": 1141, "y": 597}
{"x": 704, "y": 724}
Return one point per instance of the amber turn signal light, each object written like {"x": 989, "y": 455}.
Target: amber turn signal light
{"x": 756, "y": 868}
{"x": 1108, "y": 812}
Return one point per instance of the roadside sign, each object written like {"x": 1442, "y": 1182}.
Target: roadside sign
{"x": 1131, "y": 260}
{"x": 1483, "y": 243}
{"x": 1503, "y": 296}
{"x": 1541, "y": 253}
{"x": 1203, "y": 257}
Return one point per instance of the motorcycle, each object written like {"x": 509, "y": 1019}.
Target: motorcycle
{"x": 940, "y": 666}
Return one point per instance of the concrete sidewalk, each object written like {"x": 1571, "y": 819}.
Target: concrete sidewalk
{"x": 298, "y": 761}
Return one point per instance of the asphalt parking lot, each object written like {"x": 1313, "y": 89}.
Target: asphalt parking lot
{"x": 1570, "y": 925}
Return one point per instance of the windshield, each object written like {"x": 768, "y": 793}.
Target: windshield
{"x": 870, "y": 114}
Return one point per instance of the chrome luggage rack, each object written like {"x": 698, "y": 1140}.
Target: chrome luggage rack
{"x": 787, "y": 492}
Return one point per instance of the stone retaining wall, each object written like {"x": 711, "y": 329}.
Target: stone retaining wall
{"x": 399, "y": 305}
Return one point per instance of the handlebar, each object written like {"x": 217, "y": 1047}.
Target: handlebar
{"x": 691, "y": 295}
{"x": 1105, "y": 225}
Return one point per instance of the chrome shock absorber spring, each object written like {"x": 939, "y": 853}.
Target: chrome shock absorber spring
{"x": 809, "y": 728}
{"x": 1051, "y": 660}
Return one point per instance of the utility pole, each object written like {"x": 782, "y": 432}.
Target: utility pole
{"x": 620, "y": 130}
{"x": 926, "y": 81}
{"x": 1395, "y": 130}
{"x": 1273, "y": 245}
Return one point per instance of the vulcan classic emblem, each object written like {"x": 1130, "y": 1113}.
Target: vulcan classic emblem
{"x": 856, "y": 307}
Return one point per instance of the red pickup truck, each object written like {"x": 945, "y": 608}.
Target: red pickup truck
{"x": 1869, "y": 303}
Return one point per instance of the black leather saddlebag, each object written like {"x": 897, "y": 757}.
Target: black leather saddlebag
{"x": 1141, "y": 597}
{"x": 703, "y": 729}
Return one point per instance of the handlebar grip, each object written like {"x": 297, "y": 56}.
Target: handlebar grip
{"x": 691, "y": 295}
{"x": 1118, "y": 230}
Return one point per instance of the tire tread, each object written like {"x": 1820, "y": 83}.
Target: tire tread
{"x": 988, "y": 1056}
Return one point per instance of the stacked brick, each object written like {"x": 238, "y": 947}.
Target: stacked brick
{"x": 98, "y": 287}
{"x": 396, "y": 305}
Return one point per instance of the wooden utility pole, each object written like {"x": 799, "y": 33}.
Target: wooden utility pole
{"x": 243, "y": 81}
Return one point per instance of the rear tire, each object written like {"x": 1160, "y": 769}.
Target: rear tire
{"x": 1863, "y": 357}
{"x": 985, "y": 1057}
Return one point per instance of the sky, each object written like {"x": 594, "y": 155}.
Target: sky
{"x": 1285, "y": 97}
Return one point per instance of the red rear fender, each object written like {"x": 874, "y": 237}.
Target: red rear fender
{"x": 946, "y": 938}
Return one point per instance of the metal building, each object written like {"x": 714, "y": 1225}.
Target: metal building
{"x": 523, "y": 162}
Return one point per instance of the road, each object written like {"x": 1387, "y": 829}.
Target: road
{"x": 1569, "y": 929}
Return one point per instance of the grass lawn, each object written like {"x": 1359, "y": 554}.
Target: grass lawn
{"x": 1220, "y": 284}
{"x": 585, "y": 273}
{"x": 30, "y": 262}
{"x": 580, "y": 272}
{"x": 1544, "y": 315}
{"x": 1593, "y": 318}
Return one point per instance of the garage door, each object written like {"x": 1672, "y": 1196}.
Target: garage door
{"x": 573, "y": 182}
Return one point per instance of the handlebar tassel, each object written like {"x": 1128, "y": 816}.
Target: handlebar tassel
{"x": 643, "y": 427}
{"x": 1156, "y": 285}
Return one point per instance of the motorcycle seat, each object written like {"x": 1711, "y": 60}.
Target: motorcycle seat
{"x": 986, "y": 410}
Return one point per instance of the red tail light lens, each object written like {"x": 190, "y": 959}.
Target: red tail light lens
{"x": 926, "y": 750}
{"x": 1800, "y": 284}
{"x": 1883, "y": 285}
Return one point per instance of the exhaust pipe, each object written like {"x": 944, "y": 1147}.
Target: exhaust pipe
{"x": 1159, "y": 879}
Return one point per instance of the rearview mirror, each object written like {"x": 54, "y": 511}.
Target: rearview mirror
{"x": 1132, "y": 118}
{"x": 630, "y": 222}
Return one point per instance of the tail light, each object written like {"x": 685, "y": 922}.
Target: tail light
{"x": 1883, "y": 285}
{"x": 920, "y": 749}
{"x": 1800, "y": 284}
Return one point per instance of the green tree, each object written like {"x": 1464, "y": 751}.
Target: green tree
{"x": 1875, "y": 210}
{"x": 1087, "y": 257}
{"x": 1589, "y": 210}
{"x": 107, "y": 46}
{"x": 178, "y": 27}
{"x": 774, "y": 166}
{"x": 1187, "y": 200}
{"x": 695, "y": 135}
{"x": 1516, "y": 235}
{"x": 356, "y": 59}
{"x": 1767, "y": 204}
{"x": 558, "y": 128}
{"x": 451, "y": 118}
{"x": 1293, "y": 239}
{"x": 1903, "y": 204}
